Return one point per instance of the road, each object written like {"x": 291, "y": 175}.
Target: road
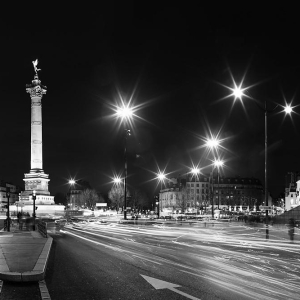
{"x": 212, "y": 261}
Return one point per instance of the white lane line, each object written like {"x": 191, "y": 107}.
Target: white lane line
{"x": 1, "y": 284}
{"x": 97, "y": 243}
{"x": 44, "y": 291}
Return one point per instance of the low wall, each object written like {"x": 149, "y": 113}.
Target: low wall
{"x": 42, "y": 209}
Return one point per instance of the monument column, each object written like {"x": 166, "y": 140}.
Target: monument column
{"x": 36, "y": 179}
{"x": 36, "y": 92}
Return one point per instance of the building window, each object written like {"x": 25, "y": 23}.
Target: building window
{"x": 197, "y": 191}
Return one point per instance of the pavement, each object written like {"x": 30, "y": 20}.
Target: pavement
{"x": 23, "y": 255}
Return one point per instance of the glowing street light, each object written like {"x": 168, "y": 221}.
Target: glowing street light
{"x": 218, "y": 163}
{"x": 117, "y": 180}
{"x": 195, "y": 171}
{"x": 288, "y": 110}
{"x": 213, "y": 143}
{"x": 125, "y": 112}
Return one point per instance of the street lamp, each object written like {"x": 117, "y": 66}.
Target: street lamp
{"x": 195, "y": 171}
{"x": 117, "y": 183}
{"x": 218, "y": 163}
{"x": 126, "y": 114}
{"x": 8, "y": 214}
{"x": 161, "y": 177}
{"x": 72, "y": 183}
{"x": 238, "y": 92}
{"x": 33, "y": 197}
{"x": 117, "y": 180}
{"x": 213, "y": 144}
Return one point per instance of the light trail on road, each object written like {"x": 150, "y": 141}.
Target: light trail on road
{"x": 237, "y": 259}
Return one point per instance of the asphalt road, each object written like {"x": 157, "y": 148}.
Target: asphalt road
{"x": 172, "y": 261}
{"x": 225, "y": 261}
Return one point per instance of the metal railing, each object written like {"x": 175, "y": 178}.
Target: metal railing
{"x": 42, "y": 228}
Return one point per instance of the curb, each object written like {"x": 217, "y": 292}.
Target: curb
{"x": 38, "y": 272}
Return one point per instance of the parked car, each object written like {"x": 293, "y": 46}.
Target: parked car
{"x": 191, "y": 217}
{"x": 61, "y": 222}
{"x": 152, "y": 217}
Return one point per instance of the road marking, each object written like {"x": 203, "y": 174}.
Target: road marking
{"x": 1, "y": 284}
{"x": 160, "y": 284}
{"x": 92, "y": 241}
{"x": 44, "y": 291}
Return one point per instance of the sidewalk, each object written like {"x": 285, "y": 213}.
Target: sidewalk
{"x": 23, "y": 255}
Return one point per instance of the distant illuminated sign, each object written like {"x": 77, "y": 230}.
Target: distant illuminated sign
{"x": 101, "y": 204}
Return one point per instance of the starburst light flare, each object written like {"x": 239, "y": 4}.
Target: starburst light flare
{"x": 218, "y": 163}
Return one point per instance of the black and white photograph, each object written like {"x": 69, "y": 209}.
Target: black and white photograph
{"x": 150, "y": 150}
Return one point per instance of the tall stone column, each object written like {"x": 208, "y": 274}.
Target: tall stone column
{"x": 36, "y": 179}
{"x": 36, "y": 92}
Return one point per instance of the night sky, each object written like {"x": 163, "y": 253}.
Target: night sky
{"x": 174, "y": 63}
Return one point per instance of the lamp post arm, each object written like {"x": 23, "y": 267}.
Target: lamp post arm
{"x": 265, "y": 108}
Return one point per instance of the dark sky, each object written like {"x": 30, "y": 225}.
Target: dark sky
{"x": 172, "y": 61}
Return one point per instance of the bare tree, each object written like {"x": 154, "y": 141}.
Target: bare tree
{"x": 116, "y": 196}
{"x": 89, "y": 198}
{"x": 182, "y": 199}
{"x": 139, "y": 199}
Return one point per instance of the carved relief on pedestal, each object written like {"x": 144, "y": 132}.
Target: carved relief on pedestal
{"x": 36, "y": 142}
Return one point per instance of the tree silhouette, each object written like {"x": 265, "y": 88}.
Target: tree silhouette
{"x": 116, "y": 196}
{"x": 89, "y": 198}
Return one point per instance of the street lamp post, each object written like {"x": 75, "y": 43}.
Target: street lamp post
{"x": 21, "y": 204}
{"x": 127, "y": 133}
{"x": 195, "y": 171}
{"x": 212, "y": 192}
{"x": 8, "y": 213}
{"x": 125, "y": 113}
{"x": 212, "y": 144}
{"x": 238, "y": 92}
{"x": 33, "y": 197}
{"x": 218, "y": 163}
{"x": 72, "y": 183}
{"x": 161, "y": 177}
